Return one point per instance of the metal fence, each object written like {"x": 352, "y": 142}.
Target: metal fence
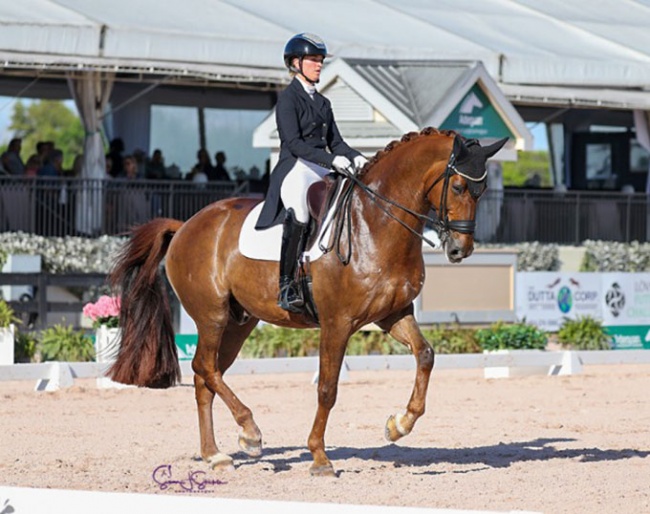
{"x": 86, "y": 207}
{"x": 513, "y": 216}
{"x": 60, "y": 207}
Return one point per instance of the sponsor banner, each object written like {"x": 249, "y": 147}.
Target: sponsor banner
{"x": 626, "y": 299}
{"x": 186, "y": 346}
{"x": 546, "y": 298}
{"x": 630, "y": 337}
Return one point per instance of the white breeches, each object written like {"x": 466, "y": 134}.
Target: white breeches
{"x": 294, "y": 187}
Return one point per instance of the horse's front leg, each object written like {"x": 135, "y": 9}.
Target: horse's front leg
{"x": 332, "y": 351}
{"x": 403, "y": 327}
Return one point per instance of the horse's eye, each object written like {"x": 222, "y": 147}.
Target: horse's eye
{"x": 458, "y": 188}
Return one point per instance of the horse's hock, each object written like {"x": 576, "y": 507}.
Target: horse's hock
{"x": 481, "y": 289}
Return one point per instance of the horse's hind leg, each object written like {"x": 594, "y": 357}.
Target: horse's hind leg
{"x": 218, "y": 346}
{"x": 405, "y": 329}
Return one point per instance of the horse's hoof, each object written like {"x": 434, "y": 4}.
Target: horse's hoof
{"x": 251, "y": 447}
{"x": 221, "y": 462}
{"x": 327, "y": 470}
{"x": 394, "y": 429}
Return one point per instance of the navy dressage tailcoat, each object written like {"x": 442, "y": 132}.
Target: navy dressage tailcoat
{"x": 307, "y": 130}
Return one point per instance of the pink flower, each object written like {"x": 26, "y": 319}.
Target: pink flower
{"x": 105, "y": 311}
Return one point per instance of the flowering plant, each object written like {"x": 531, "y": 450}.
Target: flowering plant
{"x": 105, "y": 311}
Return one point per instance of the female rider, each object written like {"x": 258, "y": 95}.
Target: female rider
{"x": 310, "y": 147}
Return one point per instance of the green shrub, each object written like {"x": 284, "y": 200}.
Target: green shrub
{"x": 7, "y": 315}
{"x": 452, "y": 340}
{"x": 518, "y": 336}
{"x": 25, "y": 346}
{"x": 271, "y": 341}
{"x": 60, "y": 343}
{"x": 584, "y": 333}
{"x": 375, "y": 342}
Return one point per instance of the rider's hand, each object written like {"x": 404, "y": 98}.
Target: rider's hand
{"x": 359, "y": 162}
{"x": 341, "y": 164}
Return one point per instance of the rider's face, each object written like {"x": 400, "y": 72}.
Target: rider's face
{"x": 311, "y": 67}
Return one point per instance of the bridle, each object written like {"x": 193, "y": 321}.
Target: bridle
{"x": 443, "y": 224}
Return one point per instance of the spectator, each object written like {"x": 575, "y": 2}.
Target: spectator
{"x": 140, "y": 158}
{"x": 109, "y": 167}
{"x": 155, "y": 168}
{"x": 77, "y": 166}
{"x": 220, "y": 172}
{"x": 53, "y": 166}
{"x": 203, "y": 168}
{"x": 115, "y": 153}
{"x": 32, "y": 166}
{"x": 43, "y": 150}
{"x": 11, "y": 161}
{"x": 130, "y": 168}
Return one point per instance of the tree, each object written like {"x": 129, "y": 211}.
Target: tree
{"x": 48, "y": 120}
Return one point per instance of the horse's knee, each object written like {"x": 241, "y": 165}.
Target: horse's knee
{"x": 327, "y": 395}
{"x": 426, "y": 358}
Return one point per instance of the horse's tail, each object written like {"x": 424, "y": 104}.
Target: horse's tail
{"x": 147, "y": 355}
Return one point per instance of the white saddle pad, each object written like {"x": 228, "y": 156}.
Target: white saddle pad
{"x": 266, "y": 244}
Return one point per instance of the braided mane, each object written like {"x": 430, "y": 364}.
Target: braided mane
{"x": 427, "y": 131}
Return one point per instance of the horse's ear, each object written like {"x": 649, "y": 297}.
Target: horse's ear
{"x": 459, "y": 147}
{"x": 489, "y": 151}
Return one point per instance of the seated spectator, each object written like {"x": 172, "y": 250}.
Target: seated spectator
{"x": 32, "y": 166}
{"x": 109, "y": 167}
{"x": 53, "y": 167}
{"x": 140, "y": 158}
{"x": 11, "y": 161}
{"x": 202, "y": 167}
{"x": 77, "y": 166}
{"x": 115, "y": 153}
{"x": 155, "y": 168}
{"x": 43, "y": 151}
{"x": 220, "y": 172}
{"x": 130, "y": 168}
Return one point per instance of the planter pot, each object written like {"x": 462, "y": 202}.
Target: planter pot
{"x": 7, "y": 345}
{"x": 107, "y": 341}
{"x": 514, "y": 370}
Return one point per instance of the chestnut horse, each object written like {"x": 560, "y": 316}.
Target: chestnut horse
{"x": 226, "y": 294}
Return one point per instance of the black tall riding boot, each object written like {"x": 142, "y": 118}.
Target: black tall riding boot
{"x": 290, "y": 298}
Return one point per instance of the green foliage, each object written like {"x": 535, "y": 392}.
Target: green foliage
{"x": 452, "y": 340}
{"x": 60, "y": 343}
{"x": 48, "y": 120}
{"x": 527, "y": 164}
{"x": 7, "y": 315}
{"x": 518, "y": 336}
{"x": 25, "y": 346}
{"x": 270, "y": 341}
{"x": 375, "y": 343}
{"x": 584, "y": 333}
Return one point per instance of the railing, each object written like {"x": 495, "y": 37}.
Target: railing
{"x": 86, "y": 207}
{"x": 60, "y": 207}
{"x": 33, "y": 309}
{"x": 514, "y": 216}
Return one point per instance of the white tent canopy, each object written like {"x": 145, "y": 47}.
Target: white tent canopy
{"x": 579, "y": 44}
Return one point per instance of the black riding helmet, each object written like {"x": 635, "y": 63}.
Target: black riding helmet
{"x": 302, "y": 45}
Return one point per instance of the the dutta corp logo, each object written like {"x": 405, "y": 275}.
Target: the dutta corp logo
{"x": 615, "y": 299}
{"x": 564, "y": 299}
